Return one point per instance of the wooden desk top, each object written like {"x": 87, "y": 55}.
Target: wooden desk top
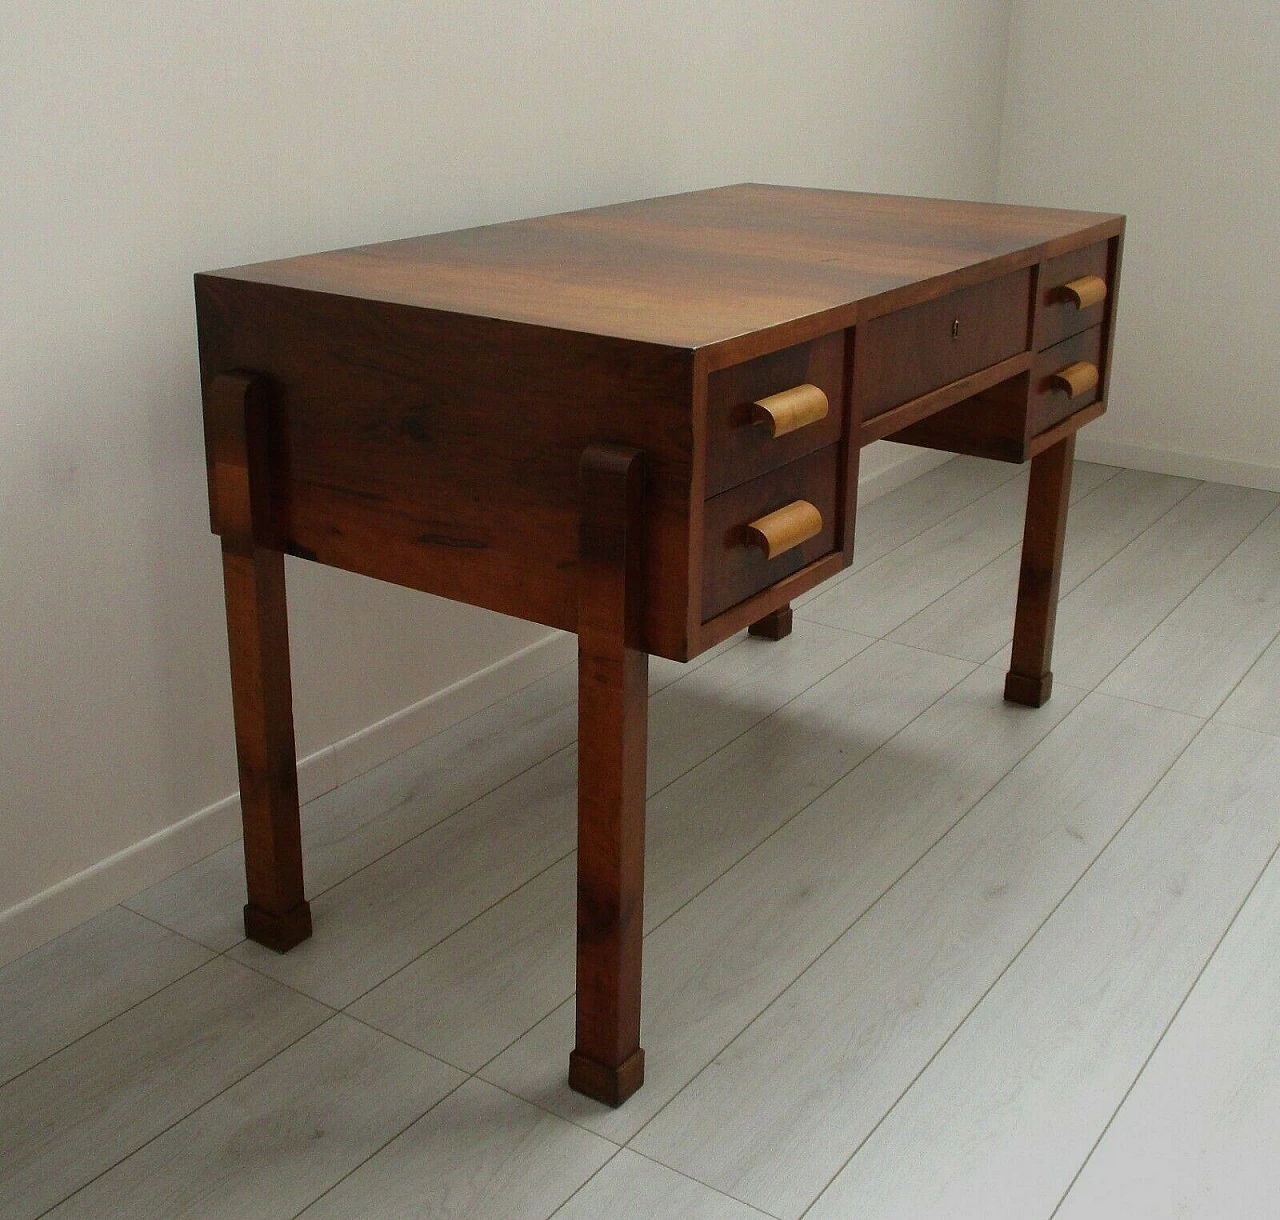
{"x": 701, "y": 269}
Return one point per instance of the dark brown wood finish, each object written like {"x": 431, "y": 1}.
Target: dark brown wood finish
{"x": 948, "y": 338}
{"x": 607, "y": 1062}
{"x": 737, "y": 448}
{"x": 776, "y": 625}
{"x": 549, "y": 418}
{"x": 1057, "y": 315}
{"x": 236, "y": 417}
{"x": 1030, "y": 678}
{"x": 733, "y": 568}
{"x": 1049, "y": 404}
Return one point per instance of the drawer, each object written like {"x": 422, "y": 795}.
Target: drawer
{"x": 733, "y": 565}
{"x": 906, "y": 354}
{"x": 1060, "y": 312}
{"x": 740, "y": 447}
{"x": 1051, "y": 398}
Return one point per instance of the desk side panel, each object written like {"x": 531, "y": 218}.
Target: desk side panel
{"x": 440, "y": 451}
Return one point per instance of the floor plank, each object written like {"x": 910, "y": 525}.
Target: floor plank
{"x": 1108, "y": 615}
{"x": 61, "y": 991}
{"x": 481, "y": 1154}
{"x": 782, "y": 1108}
{"x": 380, "y": 920}
{"x": 77, "y": 1113}
{"x": 1255, "y": 703}
{"x": 1001, "y": 1119}
{"x": 1194, "y": 659}
{"x": 1199, "y": 1135}
{"x": 364, "y": 819}
{"x": 890, "y": 520}
{"x": 634, "y": 1187}
{"x": 889, "y": 591}
{"x": 975, "y": 618}
{"x": 280, "y": 1138}
{"x": 475, "y": 993}
{"x": 721, "y": 959}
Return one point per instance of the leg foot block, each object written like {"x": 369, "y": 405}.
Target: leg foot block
{"x": 278, "y": 932}
{"x": 1030, "y": 691}
{"x": 611, "y": 1085}
{"x": 774, "y": 626}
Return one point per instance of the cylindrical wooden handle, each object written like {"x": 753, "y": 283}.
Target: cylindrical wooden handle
{"x": 788, "y": 527}
{"x": 1087, "y": 290}
{"x": 790, "y": 409}
{"x": 1075, "y": 379}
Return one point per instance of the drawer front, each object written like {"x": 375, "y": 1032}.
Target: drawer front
{"x": 1060, "y": 313}
{"x": 734, "y": 565}
{"x": 1051, "y": 397}
{"x": 738, "y": 448}
{"x": 903, "y": 355}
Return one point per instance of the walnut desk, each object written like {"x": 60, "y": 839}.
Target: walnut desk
{"x": 638, "y": 423}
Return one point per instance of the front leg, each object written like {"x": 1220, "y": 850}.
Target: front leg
{"x": 1030, "y": 679}
{"x": 277, "y": 914}
{"x": 607, "y": 1062}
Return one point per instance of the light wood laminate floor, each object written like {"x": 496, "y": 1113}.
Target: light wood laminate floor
{"x": 910, "y": 951}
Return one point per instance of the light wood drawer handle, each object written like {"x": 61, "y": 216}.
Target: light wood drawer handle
{"x": 1087, "y": 290}
{"x": 1075, "y": 379}
{"x": 788, "y": 527}
{"x": 791, "y": 409}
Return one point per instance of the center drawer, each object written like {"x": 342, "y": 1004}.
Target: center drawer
{"x": 913, "y": 351}
{"x": 734, "y": 562}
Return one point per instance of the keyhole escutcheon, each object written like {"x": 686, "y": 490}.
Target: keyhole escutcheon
{"x": 955, "y": 329}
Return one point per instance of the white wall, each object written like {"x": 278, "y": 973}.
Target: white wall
{"x": 144, "y": 142}
{"x": 1169, "y": 111}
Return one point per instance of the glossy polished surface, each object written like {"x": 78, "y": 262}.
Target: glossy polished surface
{"x": 687, "y": 270}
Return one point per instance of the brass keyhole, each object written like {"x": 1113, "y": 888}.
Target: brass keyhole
{"x": 955, "y": 329}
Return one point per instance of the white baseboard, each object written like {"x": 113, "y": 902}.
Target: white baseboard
{"x": 61, "y": 907}
{"x": 1171, "y": 461}
{"x": 910, "y": 466}
{"x": 38, "y": 919}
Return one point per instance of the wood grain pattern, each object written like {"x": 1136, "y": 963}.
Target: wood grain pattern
{"x": 1058, "y": 313}
{"x": 237, "y": 417}
{"x": 1051, "y": 402}
{"x": 738, "y": 447}
{"x": 909, "y": 353}
{"x": 1030, "y": 680}
{"x": 1070, "y": 1024}
{"x": 733, "y": 567}
{"x": 607, "y": 1062}
{"x": 708, "y": 269}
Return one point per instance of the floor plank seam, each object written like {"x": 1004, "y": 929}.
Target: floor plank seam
{"x": 1010, "y": 549}
{"x": 1252, "y": 666}
{"x": 114, "y": 1016}
{"x": 1164, "y": 1032}
{"x": 837, "y": 580}
{"x": 194, "y": 1110}
{"x": 1190, "y": 593}
{"x": 839, "y": 779}
{"x": 387, "y": 1143}
{"x": 537, "y": 1105}
{"x": 497, "y": 902}
{"x": 613, "y": 1156}
{"x": 1008, "y": 965}
{"x": 946, "y": 833}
